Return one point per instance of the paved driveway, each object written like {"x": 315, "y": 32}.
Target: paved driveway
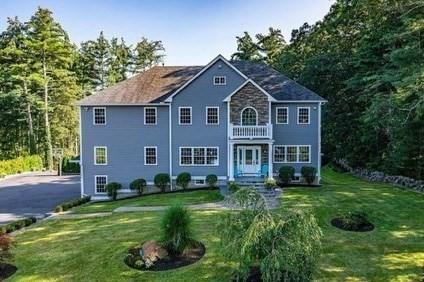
{"x": 35, "y": 194}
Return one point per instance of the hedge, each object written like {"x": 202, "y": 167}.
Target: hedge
{"x": 16, "y": 225}
{"x": 70, "y": 167}
{"x": 72, "y": 203}
{"x": 20, "y": 164}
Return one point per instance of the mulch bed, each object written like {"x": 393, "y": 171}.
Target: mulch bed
{"x": 189, "y": 256}
{"x": 7, "y": 270}
{"x": 364, "y": 227}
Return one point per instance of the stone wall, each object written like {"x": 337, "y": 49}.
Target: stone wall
{"x": 378, "y": 176}
{"x": 249, "y": 96}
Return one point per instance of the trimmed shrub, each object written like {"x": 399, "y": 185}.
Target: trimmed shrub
{"x": 16, "y": 225}
{"x": 162, "y": 181}
{"x": 183, "y": 179}
{"x": 308, "y": 173}
{"x": 286, "y": 174}
{"x": 112, "y": 189}
{"x": 270, "y": 183}
{"x": 138, "y": 185}
{"x": 70, "y": 167}
{"x": 176, "y": 228}
{"x": 21, "y": 164}
{"x": 72, "y": 203}
{"x": 233, "y": 186}
{"x": 211, "y": 180}
{"x": 6, "y": 244}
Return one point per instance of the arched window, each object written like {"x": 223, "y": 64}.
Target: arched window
{"x": 249, "y": 116}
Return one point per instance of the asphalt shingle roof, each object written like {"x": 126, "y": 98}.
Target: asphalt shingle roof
{"x": 158, "y": 83}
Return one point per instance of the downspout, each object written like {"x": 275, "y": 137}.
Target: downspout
{"x": 81, "y": 162}
{"x": 170, "y": 143}
{"x": 319, "y": 142}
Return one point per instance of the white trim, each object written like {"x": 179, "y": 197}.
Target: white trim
{"x": 156, "y": 154}
{"x": 276, "y": 115}
{"x": 80, "y": 154}
{"x": 212, "y": 107}
{"x": 248, "y": 147}
{"x": 156, "y": 115}
{"x": 241, "y": 115}
{"x": 170, "y": 142}
{"x": 309, "y": 115}
{"x": 95, "y": 154}
{"x": 179, "y": 115}
{"x": 228, "y": 137}
{"x": 94, "y": 115}
{"x": 219, "y": 78}
{"x": 270, "y": 98}
{"x": 95, "y": 184}
{"x": 300, "y": 101}
{"x": 219, "y": 57}
{"x": 319, "y": 142}
{"x": 192, "y": 155}
{"x": 297, "y": 154}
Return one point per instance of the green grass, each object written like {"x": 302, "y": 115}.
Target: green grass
{"x": 187, "y": 198}
{"x": 93, "y": 249}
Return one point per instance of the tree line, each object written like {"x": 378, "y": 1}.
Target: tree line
{"x": 43, "y": 74}
{"x": 366, "y": 58}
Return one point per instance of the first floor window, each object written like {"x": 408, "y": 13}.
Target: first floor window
{"x": 100, "y": 155}
{"x": 303, "y": 115}
{"x": 185, "y": 115}
{"x": 292, "y": 153}
{"x": 282, "y": 115}
{"x": 101, "y": 182}
{"x": 304, "y": 154}
{"x": 279, "y": 154}
{"x": 99, "y": 116}
{"x": 149, "y": 115}
{"x": 198, "y": 156}
{"x": 150, "y": 155}
{"x": 212, "y": 115}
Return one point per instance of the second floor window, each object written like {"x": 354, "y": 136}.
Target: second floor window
{"x": 99, "y": 116}
{"x": 150, "y": 156}
{"x": 219, "y": 80}
{"x": 249, "y": 117}
{"x": 282, "y": 115}
{"x": 100, "y": 155}
{"x": 303, "y": 115}
{"x": 212, "y": 115}
{"x": 150, "y": 115}
{"x": 185, "y": 115}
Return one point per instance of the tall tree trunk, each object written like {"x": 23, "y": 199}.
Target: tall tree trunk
{"x": 48, "y": 138}
{"x": 31, "y": 138}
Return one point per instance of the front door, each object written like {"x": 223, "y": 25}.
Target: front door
{"x": 249, "y": 159}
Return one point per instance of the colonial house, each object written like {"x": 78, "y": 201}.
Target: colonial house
{"x": 233, "y": 119}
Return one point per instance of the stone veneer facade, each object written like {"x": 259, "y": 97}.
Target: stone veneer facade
{"x": 249, "y": 96}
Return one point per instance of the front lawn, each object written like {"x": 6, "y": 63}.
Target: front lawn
{"x": 186, "y": 198}
{"x": 93, "y": 249}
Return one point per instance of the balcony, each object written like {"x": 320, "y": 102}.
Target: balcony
{"x": 250, "y": 132}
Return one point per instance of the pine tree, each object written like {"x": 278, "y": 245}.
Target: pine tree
{"x": 247, "y": 49}
{"x": 147, "y": 54}
{"x": 271, "y": 45}
{"x": 120, "y": 61}
{"x": 101, "y": 61}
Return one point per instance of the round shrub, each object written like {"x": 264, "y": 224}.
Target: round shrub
{"x": 138, "y": 185}
{"x": 211, "y": 180}
{"x": 112, "y": 189}
{"x": 176, "y": 228}
{"x": 183, "y": 179}
{"x": 286, "y": 174}
{"x": 270, "y": 183}
{"x": 308, "y": 173}
{"x": 162, "y": 181}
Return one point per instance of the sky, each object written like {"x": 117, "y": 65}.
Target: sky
{"x": 193, "y": 32}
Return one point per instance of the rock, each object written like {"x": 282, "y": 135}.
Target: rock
{"x": 152, "y": 252}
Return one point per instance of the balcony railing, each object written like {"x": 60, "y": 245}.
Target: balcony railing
{"x": 250, "y": 132}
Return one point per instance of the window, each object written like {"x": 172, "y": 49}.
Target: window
{"x": 100, "y": 155}
{"x": 150, "y": 156}
{"x": 199, "y": 156}
{"x": 99, "y": 116}
{"x": 249, "y": 117}
{"x": 282, "y": 115}
{"x": 185, "y": 115}
{"x": 150, "y": 115}
{"x": 199, "y": 182}
{"x": 296, "y": 178}
{"x": 212, "y": 115}
{"x": 292, "y": 153}
{"x": 100, "y": 184}
{"x": 219, "y": 80}
{"x": 303, "y": 115}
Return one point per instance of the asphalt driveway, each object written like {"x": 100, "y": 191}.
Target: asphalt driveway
{"x": 35, "y": 194}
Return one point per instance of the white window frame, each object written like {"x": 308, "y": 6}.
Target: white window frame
{"x": 179, "y": 115}
{"x": 95, "y": 184}
{"x": 241, "y": 116}
{"x": 156, "y": 154}
{"x": 203, "y": 180}
{"x": 309, "y": 115}
{"x": 297, "y": 154}
{"x": 217, "y": 112}
{"x": 192, "y": 155}
{"x": 276, "y": 115}
{"x": 94, "y": 115}
{"x": 95, "y": 154}
{"x": 156, "y": 115}
{"x": 219, "y": 77}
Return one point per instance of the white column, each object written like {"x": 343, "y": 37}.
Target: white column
{"x": 231, "y": 163}
{"x": 270, "y": 166}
